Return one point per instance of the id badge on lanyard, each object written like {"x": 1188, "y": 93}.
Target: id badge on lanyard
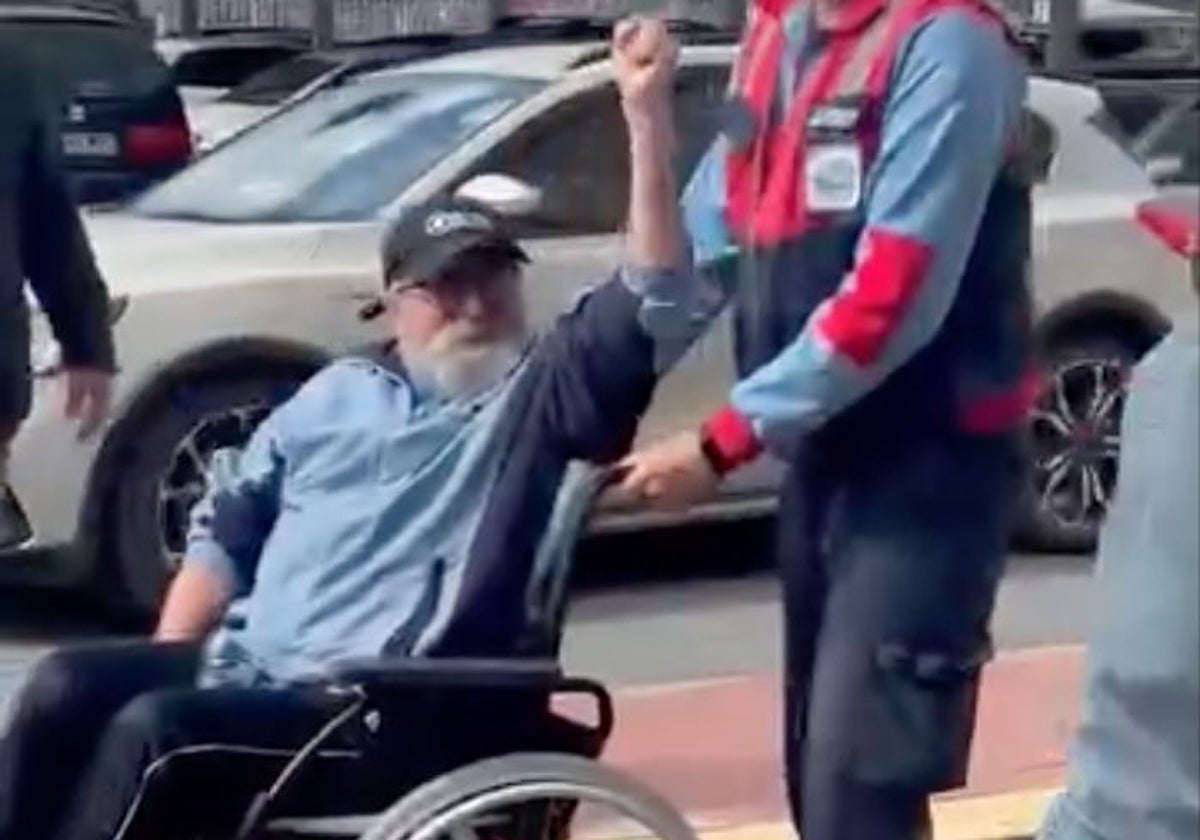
{"x": 833, "y": 176}
{"x": 833, "y": 158}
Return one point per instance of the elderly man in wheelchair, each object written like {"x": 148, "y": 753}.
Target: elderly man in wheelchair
{"x": 381, "y": 564}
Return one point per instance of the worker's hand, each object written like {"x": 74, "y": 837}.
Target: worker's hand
{"x": 88, "y": 398}
{"x": 670, "y": 475}
{"x": 644, "y": 55}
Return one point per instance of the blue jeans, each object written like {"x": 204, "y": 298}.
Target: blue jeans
{"x": 1133, "y": 767}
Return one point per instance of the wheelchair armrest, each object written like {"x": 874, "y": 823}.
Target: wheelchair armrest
{"x": 449, "y": 673}
{"x": 377, "y": 677}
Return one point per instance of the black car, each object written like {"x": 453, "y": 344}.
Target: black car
{"x": 123, "y": 124}
{"x": 1116, "y": 38}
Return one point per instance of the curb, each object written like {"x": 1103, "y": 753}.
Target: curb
{"x": 1007, "y": 816}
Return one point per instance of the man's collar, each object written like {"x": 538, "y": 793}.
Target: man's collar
{"x": 386, "y": 355}
{"x": 847, "y": 15}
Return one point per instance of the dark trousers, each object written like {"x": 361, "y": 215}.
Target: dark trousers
{"x": 112, "y": 742}
{"x": 891, "y": 557}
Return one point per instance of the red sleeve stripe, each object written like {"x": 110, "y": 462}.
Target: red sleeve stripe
{"x": 872, "y": 303}
{"x": 733, "y": 439}
{"x": 1003, "y": 411}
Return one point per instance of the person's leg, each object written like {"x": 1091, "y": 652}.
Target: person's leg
{"x": 12, "y": 530}
{"x": 7, "y": 433}
{"x": 58, "y": 719}
{"x": 919, "y": 547}
{"x": 190, "y": 762}
{"x": 1135, "y": 759}
{"x": 802, "y": 524}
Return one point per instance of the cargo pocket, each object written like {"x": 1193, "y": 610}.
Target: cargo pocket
{"x": 918, "y": 719}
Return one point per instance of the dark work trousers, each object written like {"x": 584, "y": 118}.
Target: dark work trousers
{"x": 891, "y": 556}
{"x": 112, "y": 742}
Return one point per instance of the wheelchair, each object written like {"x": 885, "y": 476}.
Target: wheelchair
{"x": 493, "y": 760}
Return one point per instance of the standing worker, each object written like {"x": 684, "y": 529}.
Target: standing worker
{"x": 43, "y": 241}
{"x": 867, "y": 207}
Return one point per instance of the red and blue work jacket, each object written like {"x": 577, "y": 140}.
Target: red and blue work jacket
{"x": 866, "y": 208}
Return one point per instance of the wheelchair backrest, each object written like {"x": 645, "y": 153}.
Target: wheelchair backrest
{"x": 546, "y": 598}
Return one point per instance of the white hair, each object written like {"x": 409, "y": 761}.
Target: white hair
{"x": 456, "y": 364}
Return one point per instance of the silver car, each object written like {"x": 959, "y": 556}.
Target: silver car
{"x": 244, "y": 273}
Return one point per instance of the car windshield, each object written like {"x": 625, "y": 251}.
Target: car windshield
{"x": 342, "y": 155}
{"x": 94, "y": 60}
{"x": 275, "y": 84}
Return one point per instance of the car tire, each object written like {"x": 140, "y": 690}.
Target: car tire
{"x": 162, "y": 452}
{"x": 1074, "y": 444}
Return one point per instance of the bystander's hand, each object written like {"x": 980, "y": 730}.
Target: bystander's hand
{"x": 88, "y": 398}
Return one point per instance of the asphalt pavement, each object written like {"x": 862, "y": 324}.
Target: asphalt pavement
{"x": 685, "y": 606}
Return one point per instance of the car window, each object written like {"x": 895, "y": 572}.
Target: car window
{"x": 698, "y": 114}
{"x": 84, "y": 59}
{"x": 577, "y": 155}
{"x": 347, "y": 152}
{"x": 275, "y": 84}
{"x": 225, "y": 67}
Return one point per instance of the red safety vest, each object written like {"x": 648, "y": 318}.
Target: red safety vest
{"x": 975, "y": 374}
{"x": 764, "y": 202}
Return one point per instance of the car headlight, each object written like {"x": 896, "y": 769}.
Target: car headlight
{"x": 45, "y": 354}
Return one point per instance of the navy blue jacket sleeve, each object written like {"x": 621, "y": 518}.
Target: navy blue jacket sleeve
{"x": 606, "y": 355}
{"x": 601, "y": 369}
{"x": 55, "y": 254}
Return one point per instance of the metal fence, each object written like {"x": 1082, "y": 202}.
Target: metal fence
{"x": 356, "y": 21}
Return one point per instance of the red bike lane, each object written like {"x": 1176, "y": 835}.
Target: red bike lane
{"x": 712, "y": 747}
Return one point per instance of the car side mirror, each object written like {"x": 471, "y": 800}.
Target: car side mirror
{"x": 1165, "y": 168}
{"x": 502, "y": 194}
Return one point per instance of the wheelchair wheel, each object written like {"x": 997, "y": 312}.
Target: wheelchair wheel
{"x": 525, "y": 796}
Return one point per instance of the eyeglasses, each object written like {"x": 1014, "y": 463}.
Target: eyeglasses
{"x": 452, "y": 289}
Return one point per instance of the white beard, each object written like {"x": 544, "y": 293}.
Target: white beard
{"x": 453, "y": 369}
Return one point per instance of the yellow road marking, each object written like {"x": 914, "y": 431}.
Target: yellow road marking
{"x": 1009, "y": 816}
{"x": 1000, "y": 817}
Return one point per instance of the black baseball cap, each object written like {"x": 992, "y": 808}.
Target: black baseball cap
{"x": 421, "y": 243}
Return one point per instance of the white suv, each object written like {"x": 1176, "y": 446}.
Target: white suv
{"x": 243, "y": 273}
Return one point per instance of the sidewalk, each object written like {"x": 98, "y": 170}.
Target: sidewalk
{"x": 712, "y": 749}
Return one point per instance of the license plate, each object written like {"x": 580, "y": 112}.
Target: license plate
{"x": 89, "y": 144}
